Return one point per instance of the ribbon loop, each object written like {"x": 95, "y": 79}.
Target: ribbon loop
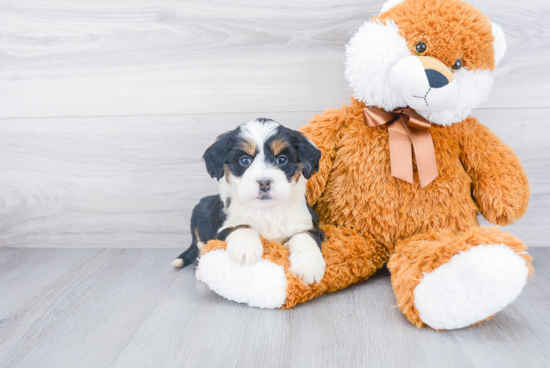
{"x": 377, "y": 118}
{"x": 406, "y": 128}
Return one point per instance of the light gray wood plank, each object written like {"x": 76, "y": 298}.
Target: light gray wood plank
{"x": 30, "y": 283}
{"x": 96, "y": 308}
{"x": 131, "y": 182}
{"x": 201, "y": 329}
{"x": 105, "y": 58}
{"x": 129, "y": 308}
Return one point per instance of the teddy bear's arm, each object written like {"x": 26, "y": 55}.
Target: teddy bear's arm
{"x": 500, "y": 185}
{"x": 323, "y": 130}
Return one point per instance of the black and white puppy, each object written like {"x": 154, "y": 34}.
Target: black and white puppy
{"x": 262, "y": 168}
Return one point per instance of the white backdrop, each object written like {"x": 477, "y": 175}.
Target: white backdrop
{"x": 106, "y": 107}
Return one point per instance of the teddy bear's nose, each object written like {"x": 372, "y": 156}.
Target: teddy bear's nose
{"x": 438, "y": 74}
{"x": 436, "y": 79}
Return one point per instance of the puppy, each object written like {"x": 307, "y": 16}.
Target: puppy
{"x": 263, "y": 168}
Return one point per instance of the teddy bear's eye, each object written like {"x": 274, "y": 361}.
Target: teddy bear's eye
{"x": 457, "y": 65}
{"x": 420, "y": 47}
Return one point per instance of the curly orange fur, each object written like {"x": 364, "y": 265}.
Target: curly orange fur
{"x": 452, "y": 29}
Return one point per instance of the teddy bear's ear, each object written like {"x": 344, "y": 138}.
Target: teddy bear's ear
{"x": 499, "y": 44}
{"x": 390, "y": 4}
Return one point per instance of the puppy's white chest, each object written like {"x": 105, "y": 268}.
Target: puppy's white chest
{"x": 276, "y": 223}
{"x": 281, "y": 225}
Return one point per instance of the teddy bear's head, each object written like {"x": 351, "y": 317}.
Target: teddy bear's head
{"x": 436, "y": 56}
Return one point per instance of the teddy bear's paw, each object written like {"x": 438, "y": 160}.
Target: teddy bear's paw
{"x": 244, "y": 246}
{"x": 472, "y": 286}
{"x": 306, "y": 260}
{"x": 198, "y": 276}
{"x": 262, "y": 284}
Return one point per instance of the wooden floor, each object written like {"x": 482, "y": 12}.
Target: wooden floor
{"x": 130, "y": 308}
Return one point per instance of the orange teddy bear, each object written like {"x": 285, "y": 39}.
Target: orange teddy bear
{"x": 416, "y": 71}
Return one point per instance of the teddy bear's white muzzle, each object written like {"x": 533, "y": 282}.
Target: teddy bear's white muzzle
{"x": 425, "y": 90}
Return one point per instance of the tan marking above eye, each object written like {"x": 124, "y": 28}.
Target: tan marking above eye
{"x": 248, "y": 147}
{"x": 278, "y": 145}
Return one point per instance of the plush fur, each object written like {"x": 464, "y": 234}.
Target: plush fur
{"x": 371, "y": 218}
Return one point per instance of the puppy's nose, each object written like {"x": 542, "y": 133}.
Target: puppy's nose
{"x": 265, "y": 184}
{"x": 436, "y": 79}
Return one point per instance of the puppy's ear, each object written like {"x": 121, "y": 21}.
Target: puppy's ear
{"x": 216, "y": 154}
{"x": 307, "y": 151}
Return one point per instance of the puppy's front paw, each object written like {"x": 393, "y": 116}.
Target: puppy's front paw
{"x": 306, "y": 260}
{"x": 244, "y": 246}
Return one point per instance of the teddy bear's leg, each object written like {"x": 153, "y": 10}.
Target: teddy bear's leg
{"x": 350, "y": 257}
{"x": 262, "y": 284}
{"x": 448, "y": 281}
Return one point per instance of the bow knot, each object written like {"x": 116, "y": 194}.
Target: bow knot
{"x": 406, "y": 128}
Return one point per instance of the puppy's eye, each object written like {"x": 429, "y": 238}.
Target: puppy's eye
{"x": 245, "y": 160}
{"x": 281, "y": 160}
{"x": 420, "y": 48}
{"x": 457, "y": 65}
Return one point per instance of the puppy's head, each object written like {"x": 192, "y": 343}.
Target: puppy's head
{"x": 262, "y": 162}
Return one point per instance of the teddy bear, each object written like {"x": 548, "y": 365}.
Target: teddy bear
{"x": 404, "y": 172}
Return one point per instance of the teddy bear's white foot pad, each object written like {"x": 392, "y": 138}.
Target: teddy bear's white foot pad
{"x": 471, "y": 287}
{"x": 262, "y": 284}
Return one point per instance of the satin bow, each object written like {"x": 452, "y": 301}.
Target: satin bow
{"x": 406, "y": 128}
